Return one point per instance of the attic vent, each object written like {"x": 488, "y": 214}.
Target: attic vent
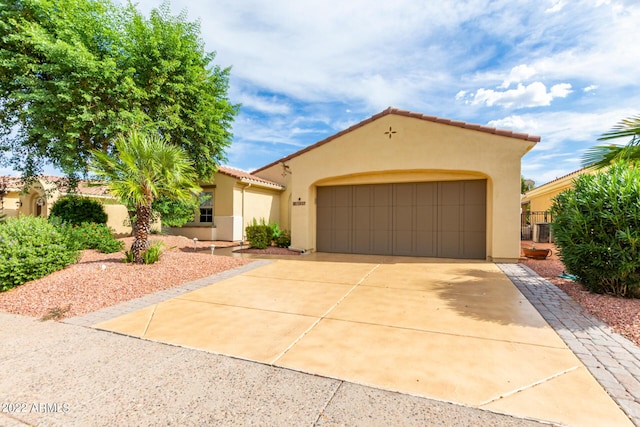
{"x": 390, "y": 132}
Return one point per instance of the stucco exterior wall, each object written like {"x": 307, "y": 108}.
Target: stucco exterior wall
{"x": 262, "y": 204}
{"x": 10, "y": 204}
{"x": 118, "y": 218}
{"x": 541, "y": 198}
{"x": 419, "y": 150}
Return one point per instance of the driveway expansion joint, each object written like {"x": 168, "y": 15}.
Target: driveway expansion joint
{"x": 597, "y": 346}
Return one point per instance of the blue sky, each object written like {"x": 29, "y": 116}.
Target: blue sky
{"x": 566, "y": 71}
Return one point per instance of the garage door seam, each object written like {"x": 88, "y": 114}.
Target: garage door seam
{"x": 323, "y": 316}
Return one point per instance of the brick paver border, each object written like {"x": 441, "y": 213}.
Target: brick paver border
{"x": 612, "y": 359}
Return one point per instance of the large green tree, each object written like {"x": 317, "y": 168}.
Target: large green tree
{"x": 76, "y": 73}
{"x": 604, "y": 155}
{"x": 143, "y": 167}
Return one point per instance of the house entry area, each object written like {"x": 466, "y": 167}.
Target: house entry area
{"x": 444, "y": 219}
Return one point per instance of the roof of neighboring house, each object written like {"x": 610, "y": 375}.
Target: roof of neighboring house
{"x": 554, "y": 185}
{"x": 84, "y": 188}
{"x": 244, "y": 176}
{"x": 406, "y": 113}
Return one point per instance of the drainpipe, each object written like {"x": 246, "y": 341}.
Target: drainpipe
{"x": 247, "y": 185}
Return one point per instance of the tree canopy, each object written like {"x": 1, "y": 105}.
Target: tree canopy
{"x": 76, "y": 73}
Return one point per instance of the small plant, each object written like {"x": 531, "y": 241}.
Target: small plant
{"x": 75, "y": 210}
{"x": 283, "y": 240}
{"x": 150, "y": 256}
{"x": 31, "y": 248}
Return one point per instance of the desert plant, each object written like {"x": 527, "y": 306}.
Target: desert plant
{"x": 597, "y": 230}
{"x": 150, "y": 256}
{"x": 75, "y": 210}
{"x": 146, "y": 167}
{"x": 30, "y": 248}
{"x": 94, "y": 236}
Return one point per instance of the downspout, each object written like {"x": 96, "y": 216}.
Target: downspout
{"x": 247, "y": 185}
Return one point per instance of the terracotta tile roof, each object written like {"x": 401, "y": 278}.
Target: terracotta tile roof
{"x": 398, "y": 112}
{"x": 85, "y": 188}
{"x": 246, "y": 176}
{"x": 13, "y": 183}
{"x": 576, "y": 173}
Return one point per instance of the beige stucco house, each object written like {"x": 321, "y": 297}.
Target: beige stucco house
{"x": 397, "y": 183}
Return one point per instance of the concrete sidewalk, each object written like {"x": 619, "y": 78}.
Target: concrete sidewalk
{"x": 56, "y": 374}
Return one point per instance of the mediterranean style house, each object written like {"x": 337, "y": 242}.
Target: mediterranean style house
{"x": 398, "y": 183}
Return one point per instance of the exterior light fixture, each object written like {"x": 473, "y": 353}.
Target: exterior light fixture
{"x": 195, "y": 244}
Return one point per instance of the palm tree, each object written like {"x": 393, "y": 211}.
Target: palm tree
{"x": 601, "y": 156}
{"x": 145, "y": 166}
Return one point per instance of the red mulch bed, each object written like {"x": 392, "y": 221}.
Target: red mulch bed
{"x": 622, "y": 314}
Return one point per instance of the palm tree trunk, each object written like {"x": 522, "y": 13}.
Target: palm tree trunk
{"x": 142, "y": 230}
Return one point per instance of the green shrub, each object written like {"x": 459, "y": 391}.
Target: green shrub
{"x": 75, "y": 210}
{"x": 259, "y": 236}
{"x": 90, "y": 235}
{"x": 283, "y": 240}
{"x": 31, "y": 248}
{"x": 597, "y": 230}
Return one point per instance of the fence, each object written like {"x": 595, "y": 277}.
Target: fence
{"x": 535, "y": 224}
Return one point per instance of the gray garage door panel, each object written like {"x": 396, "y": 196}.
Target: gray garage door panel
{"x": 432, "y": 219}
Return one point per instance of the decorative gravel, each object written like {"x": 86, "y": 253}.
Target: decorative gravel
{"x": 101, "y": 280}
{"x": 622, "y": 314}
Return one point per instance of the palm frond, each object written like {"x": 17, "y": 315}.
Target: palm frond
{"x": 626, "y": 128}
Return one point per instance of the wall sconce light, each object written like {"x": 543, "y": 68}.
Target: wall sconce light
{"x": 19, "y": 204}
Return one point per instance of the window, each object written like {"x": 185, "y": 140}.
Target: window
{"x": 206, "y": 207}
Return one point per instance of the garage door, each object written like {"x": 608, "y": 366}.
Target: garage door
{"x": 432, "y": 219}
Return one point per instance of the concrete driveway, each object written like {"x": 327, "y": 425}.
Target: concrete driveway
{"x": 453, "y": 331}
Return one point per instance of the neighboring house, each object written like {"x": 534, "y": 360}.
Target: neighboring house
{"x": 398, "y": 183}
{"x": 38, "y": 199}
{"x": 536, "y": 205}
{"x": 540, "y": 199}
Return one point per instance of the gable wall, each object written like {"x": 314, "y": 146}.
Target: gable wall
{"x": 418, "y": 151}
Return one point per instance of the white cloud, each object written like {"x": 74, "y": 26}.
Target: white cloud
{"x": 515, "y": 123}
{"x": 557, "y": 7}
{"x": 532, "y": 95}
{"x": 263, "y": 104}
{"x": 590, "y": 88}
{"x": 518, "y": 74}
